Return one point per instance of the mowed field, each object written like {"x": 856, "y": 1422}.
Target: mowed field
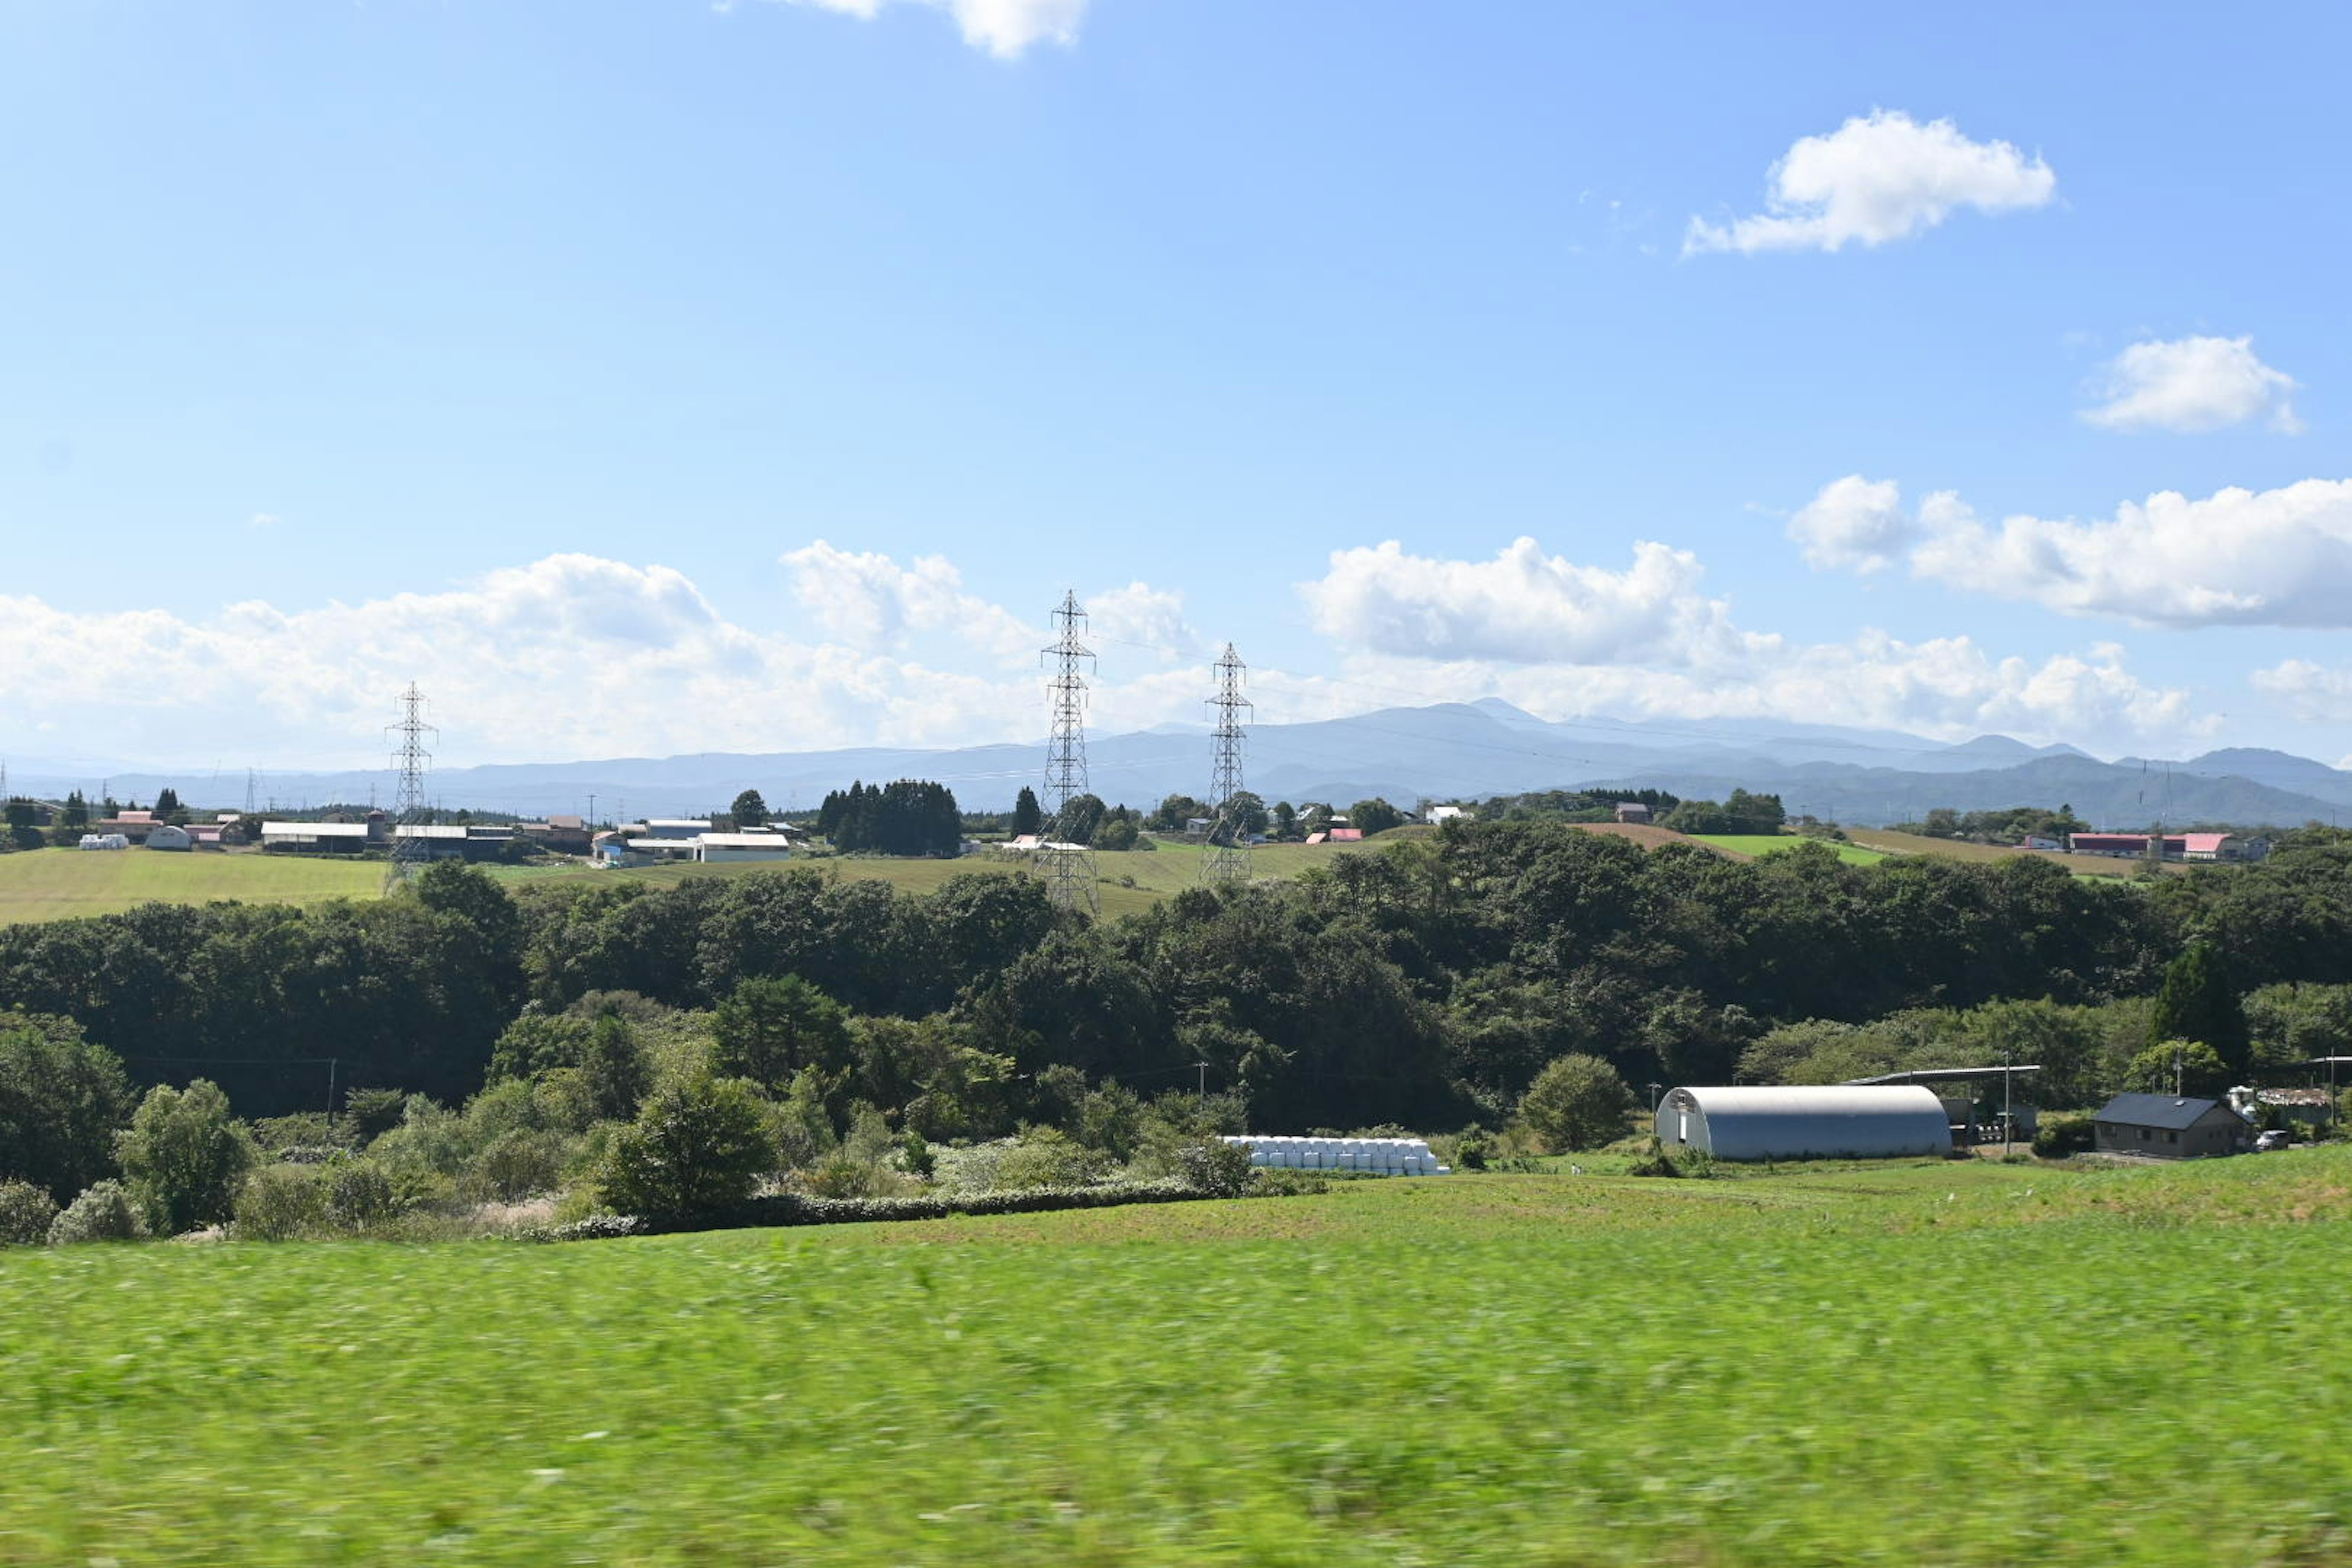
{"x": 1754, "y": 844}
{"x": 52, "y": 884}
{"x": 1943, "y": 1362}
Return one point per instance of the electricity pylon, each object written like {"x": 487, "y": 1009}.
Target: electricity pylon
{"x": 1226, "y": 858}
{"x": 409, "y": 761}
{"x": 1068, "y": 867}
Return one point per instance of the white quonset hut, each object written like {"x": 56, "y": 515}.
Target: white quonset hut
{"x": 1830, "y": 1122}
{"x": 1374, "y": 1156}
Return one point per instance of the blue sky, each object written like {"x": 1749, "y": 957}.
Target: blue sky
{"x": 651, "y": 375}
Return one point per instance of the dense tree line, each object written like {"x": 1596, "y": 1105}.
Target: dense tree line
{"x": 1427, "y": 984}
{"x": 912, "y": 817}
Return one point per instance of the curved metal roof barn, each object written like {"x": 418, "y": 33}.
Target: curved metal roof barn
{"x": 1831, "y": 1121}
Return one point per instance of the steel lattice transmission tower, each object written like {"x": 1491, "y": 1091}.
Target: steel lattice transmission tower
{"x": 409, "y": 761}
{"x": 1069, "y": 867}
{"x": 1227, "y": 857}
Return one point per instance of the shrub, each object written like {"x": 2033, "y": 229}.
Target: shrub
{"x": 519, "y": 1165}
{"x": 695, "y": 1146}
{"x": 1473, "y": 1148}
{"x": 361, "y": 1195}
{"x": 184, "y": 1154}
{"x": 26, "y": 1212}
{"x": 2060, "y": 1136}
{"x": 915, "y": 1153}
{"x": 374, "y": 1112}
{"x": 280, "y": 1203}
{"x": 1214, "y": 1167}
{"x": 103, "y": 1213}
{"x": 1576, "y": 1103}
{"x": 1046, "y": 1157}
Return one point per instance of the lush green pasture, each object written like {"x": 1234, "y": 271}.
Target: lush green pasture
{"x": 51, "y": 884}
{"x": 1945, "y": 1364}
{"x": 1154, "y": 874}
{"x": 1776, "y": 843}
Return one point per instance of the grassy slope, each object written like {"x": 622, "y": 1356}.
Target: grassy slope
{"x": 1776, "y": 843}
{"x": 1950, "y": 1363}
{"x": 50, "y": 884}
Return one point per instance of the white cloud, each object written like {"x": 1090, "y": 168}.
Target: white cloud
{"x": 1005, "y": 28}
{"x": 1556, "y": 638}
{"x": 2309, "y": 690}
{"x": 1143, "y": 616}
{"x": 1522, "y": 607}
{"x": 2274, "y": 558}
{"x": 572, "y": 656}
{"x": 2193, "y": 384}
{"x": 1854, "y": 522}
{"x": 869, "y": 601}
{"x": 1879, "y": 177}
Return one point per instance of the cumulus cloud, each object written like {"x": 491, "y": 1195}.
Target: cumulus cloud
{"x": 2238, "y": 557}
{"x": 1854, "y": 522}
{"x": 1143, "y": 616}
{"x": 869, "y": 601}
{"x": 572, "y": 656}
{"x": 1521, "y": 607}
{"x": 2193, "y": 384}
{"x": 1005, "y": 28}
{"x": 1878, "y": 177}
{"x": 1556, "y": 638}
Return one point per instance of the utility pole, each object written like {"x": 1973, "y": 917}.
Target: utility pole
{"x": 1069, "y": 866}
{"x": 409, "y": 759}
{"x": 1225, "y": 860}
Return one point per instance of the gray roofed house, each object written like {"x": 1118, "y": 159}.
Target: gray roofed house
{"x": 2170, "y": 1127}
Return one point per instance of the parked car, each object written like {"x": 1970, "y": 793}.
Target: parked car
{"x": 2276, "y": 1138}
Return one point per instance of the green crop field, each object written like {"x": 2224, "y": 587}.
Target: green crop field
{"x": 51, "y": 884}
{"x": 1776, "y": 843}
{"x": 1948, "y": 1362}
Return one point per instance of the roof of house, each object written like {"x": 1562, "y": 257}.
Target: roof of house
{"x": 2159, "y": 1110}
{"x": 1347, "y": 836}
{"x": 314, "y": 830}
{"x": 743, "y": 841}
{"x": 2205, "y": 843}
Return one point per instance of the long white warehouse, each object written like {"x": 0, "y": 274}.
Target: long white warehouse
{"x": 1830, "y": 1122}
{"x": 1374, "y": 1156}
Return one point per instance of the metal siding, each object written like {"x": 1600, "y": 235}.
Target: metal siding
{"x": 1832, "y": 1121}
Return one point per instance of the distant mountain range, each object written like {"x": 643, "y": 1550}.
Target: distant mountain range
{"x": 1448, "y": 752}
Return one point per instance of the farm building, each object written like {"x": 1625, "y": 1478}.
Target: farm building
{"x": 1826, "y": 1121}
{"x": 1633, "y": 811}
{"x": 2170, "y": 1127}
{"x": 163, "y": 836}
{"x": 734, "y": 849}
{"x": 318, "y": 838}
{"x": 2175, "y": 845}
{"x": 1437, "y": 814}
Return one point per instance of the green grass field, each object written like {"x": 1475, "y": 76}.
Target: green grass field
{"x": 51, "y": 884}
{"x": 1778, "y": 843}
{"x": 1950, "y": 1363}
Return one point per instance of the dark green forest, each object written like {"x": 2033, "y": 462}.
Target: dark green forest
{"x": 1425, "y": 985}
